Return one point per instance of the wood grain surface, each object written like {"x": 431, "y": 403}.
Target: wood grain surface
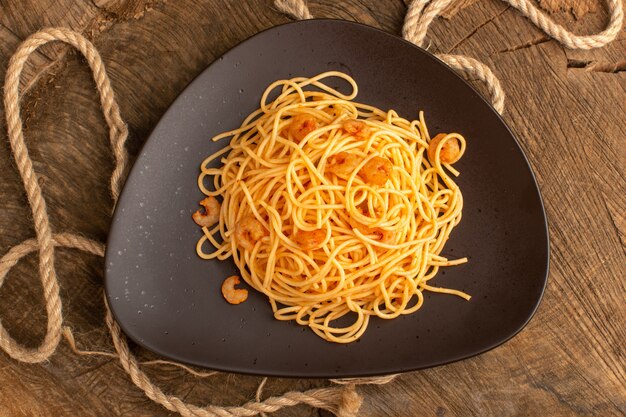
{"x": 568, "y": 108}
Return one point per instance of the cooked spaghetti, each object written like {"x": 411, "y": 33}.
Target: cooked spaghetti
{"x": 337, "y": 211}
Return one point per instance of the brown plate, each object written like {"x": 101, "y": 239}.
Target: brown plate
{"x": 168, "y": 300}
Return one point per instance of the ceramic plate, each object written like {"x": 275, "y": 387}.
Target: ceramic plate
{"x": 168, "y": 300}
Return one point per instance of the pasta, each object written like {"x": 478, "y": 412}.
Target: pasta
{"x": 337, "y": 211}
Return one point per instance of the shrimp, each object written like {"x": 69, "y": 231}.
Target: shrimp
{"x": 301, "y": 125}
{"x": 211, "y": 213}
{"x": 376, "y": 171}
{"x": 343, "y": 164}
{"x": 450, "y": 150}
{"x": 231, "y": 294}
{"x": 355, "y": 127}
{"x": 248, "y": 231}
{"x": 308, "y": 240}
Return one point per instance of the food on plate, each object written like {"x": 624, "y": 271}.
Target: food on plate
{"x": 337, "y": 211}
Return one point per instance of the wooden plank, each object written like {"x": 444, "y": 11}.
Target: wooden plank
{"x": 564, "y": 106}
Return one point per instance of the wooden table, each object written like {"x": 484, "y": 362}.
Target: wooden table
{"x": 566, "y": 107}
